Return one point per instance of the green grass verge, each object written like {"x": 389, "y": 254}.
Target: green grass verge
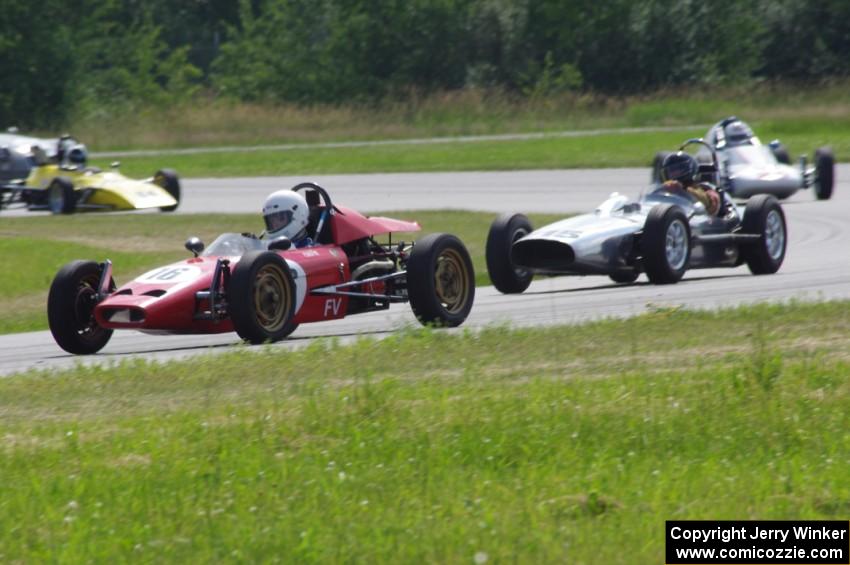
{"x": 39, "y": 246}
{"x": 465, "y": 112}
{"x": 569, "y": 444}
{"x": 610, "y": 150}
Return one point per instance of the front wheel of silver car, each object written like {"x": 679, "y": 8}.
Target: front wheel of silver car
{"x": 764, "y": 217}
{"x": 506, "y": 230}
{"x": 665, "y": 245}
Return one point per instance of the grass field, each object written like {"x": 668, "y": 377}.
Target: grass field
{"x": 467, "y": 112}
{"x": 609, "y": 150}
{"x": 39, "y": 246}
{"x": 571, "y": 444}
{"x": 803, "y": 117}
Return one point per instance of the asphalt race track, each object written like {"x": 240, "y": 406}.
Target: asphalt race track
{"x": 817, "y": 265}
{"x": 529, "y": 191}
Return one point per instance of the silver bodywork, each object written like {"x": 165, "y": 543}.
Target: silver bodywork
{"x": 752, "y": 168}
{"x": 607, "y": 241}
{"x": 16, "y": 154}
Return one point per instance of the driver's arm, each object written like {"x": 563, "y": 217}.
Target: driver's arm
{"x": 706, "y": 194}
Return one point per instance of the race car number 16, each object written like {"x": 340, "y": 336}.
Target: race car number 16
{"x": 170, "y": 275}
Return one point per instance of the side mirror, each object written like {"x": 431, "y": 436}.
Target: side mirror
{"x": 195, "y": 245}
{"x": 774, "y": 144}
{"x": 115, "y": 164}
{"x": 281, "y": 243}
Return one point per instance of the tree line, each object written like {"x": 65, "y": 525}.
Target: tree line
{"x": 64, "y": 58}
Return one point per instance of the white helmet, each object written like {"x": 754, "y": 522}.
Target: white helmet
{"x": 286, "y": 214}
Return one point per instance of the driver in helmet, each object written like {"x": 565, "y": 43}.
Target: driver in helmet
{"x": 737, "y": 132}
{"x": 679, "y": 172}
{"x": 77, "y": 156}
{"x": 286, "y": 214}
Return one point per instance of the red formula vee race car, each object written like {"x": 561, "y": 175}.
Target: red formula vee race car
{"x": 264, "y": 289}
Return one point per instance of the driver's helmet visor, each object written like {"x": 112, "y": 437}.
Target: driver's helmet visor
{"x": 681, "y": 170}
{"x": 276, "y": 221}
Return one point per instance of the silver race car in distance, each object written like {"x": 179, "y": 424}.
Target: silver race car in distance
{"x": 746, "y": 167}
{"x": 662, "y": 234}
{"x": 16, "y": 153}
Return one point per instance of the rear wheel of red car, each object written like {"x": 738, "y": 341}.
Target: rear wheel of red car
{"x": 70, "y": 309}
{"x": 61, "y": 198}
{"x": 168, "y": 179}
{"x": 504, "y": 231}
{"x": 824, "y": 173}
{"x": 261, "y": 297}
{"x": 763, "y": 216}
{"x": 440, "y": 280}
{"x": 666, "y": 244}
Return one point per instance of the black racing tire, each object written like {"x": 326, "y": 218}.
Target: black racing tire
{"x": 70, "y": 309}
{"x": 168, "y": 179}
{"x": 61, "y": 197}
{"x": 824, "y": 173}
{"x": 657, "y": 161}
{"x": 440, "y": 280}
{"x": 261, "y": 297}
{"x": 666, "y": 244}
{"x": 764, "y": 216}
{"x": 780, "y": 152}
{"x": 624, "y": 277}
{"x": 504, "y": 231}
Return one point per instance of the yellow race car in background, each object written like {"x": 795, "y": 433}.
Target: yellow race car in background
{"x": 63, "y": 183}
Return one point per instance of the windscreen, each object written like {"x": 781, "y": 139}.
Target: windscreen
{"x": 232, "y": 245}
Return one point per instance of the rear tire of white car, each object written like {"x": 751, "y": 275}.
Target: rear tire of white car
{"x": 261, "y": 297}
{"x": 657, "y": 161}
{"x": 763, "y": 216}
{"x": 504, "y": 231}
{"x": 61, "y": 197}
{"x": 440, "y": 280}
{"x": 824, "y": 173}
{"x": 666, "y": 244}
{"x": 168, "y": 179}
{"x": 70, "y": 308}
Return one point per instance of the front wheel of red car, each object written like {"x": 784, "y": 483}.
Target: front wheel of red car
{"x": 440, "y": 280}
{"x": 261, "y": 297}
{"x": 70, "y": 309}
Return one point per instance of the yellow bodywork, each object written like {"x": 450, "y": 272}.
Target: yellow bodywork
{"x": 109, "y": 189}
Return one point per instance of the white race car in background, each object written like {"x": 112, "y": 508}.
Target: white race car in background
{"x": 747, "y": 167}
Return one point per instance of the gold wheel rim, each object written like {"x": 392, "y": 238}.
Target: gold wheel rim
{"x": 451, "y": 281}
{"x": 272, "y": 298}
